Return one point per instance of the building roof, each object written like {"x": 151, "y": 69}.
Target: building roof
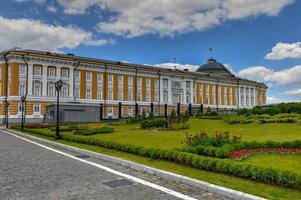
{"x": 215, "y": 68}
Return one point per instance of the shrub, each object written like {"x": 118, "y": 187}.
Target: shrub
{"x": 243, "y": 170}
{"x": 93, "y": 131}
{"x": 153, "y": 123}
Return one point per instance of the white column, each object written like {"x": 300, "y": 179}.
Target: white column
{"x": 184, "y": 91}
{"x": 169, "y": 91}
{"x": 250, "y": 105}
{"x": 71, "y": 83}
{"x": 254, "y": 97}
{"x": 191, "y": 91}
{"x": 30, "y": 74}
{"x": 245, "y": 97}
{"x": 44, "y": 81}
{"x": 161, "y": 90}
{"x": 238, "y": 97}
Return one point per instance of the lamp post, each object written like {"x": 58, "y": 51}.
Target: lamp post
{"x": 23, "y": 98}
{"x": 58, "y": 86}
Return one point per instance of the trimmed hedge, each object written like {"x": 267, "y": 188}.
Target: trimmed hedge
{"x": 94, "y": 131}
{"x": 225, "y": 150}
{"x": 262, "y": 174}
{"x": 154, "y": 123}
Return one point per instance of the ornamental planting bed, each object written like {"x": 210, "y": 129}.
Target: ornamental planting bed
{"x": 243, "y": 153}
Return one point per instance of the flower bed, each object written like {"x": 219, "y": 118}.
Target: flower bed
{"x": 245, "y": 152}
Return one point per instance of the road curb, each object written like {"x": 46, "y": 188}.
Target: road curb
{"x": 205, "y": 186}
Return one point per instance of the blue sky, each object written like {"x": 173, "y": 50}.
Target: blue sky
{"x": 259, "y": 40}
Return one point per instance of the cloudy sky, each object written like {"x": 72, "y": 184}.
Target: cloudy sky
{"x": 255, "y": 39}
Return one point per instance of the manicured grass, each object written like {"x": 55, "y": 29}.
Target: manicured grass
{"x": 259, "y": 189}
{"x": 291, "y": 162}
{"x": 133, "y": 134}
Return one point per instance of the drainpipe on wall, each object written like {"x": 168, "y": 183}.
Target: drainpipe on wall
{"x": 6, "y": 95}
{"x": 26, "y": 93}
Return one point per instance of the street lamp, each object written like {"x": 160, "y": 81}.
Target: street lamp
{"x": 58, "y": 86}
{"x": 23, "y": 98}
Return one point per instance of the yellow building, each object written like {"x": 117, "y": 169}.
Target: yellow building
{"x": 94, "y": 81}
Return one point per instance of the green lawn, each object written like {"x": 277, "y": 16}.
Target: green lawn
{"x": 132, "y": 134}
{"x": 251, "y": 187}
{"x": 291, "y": 162}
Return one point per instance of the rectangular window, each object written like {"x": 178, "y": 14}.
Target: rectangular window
{"x": 20, "y": 107}
{"x": 147, "y": 96}
{"x": 120, "y": 95}
{"x": 110, "y": 78}
{"x": 51, "y": 90}
{"x": 51, "y": 71}
{"x": 65, "y": 91}
{"x": 110, "y": 95}
{"x": 130, "y": 81}
{"x": 99, "y": 78}
{"x": 76, "y": 74}
{"x": 77, "y": 93}
{"x": 165, "y": 96}
{"x": 65, "y": 73}
{"x": 148, "y": 82}
{"x": 139, "y": 95}
{"x": 120, "y": 79}
{"x": 99, "y": 93}
{"x": 22, "y": 89}
{"x": 37, "y": 70}
{"x": 110, "y": 111}
{"x": 22, "y": 70}
{"x": 88, "y": 93}
{"x": 89, "y": 76}
{"x": 157, "y": 83}
{"x": 36, "y": 108}
{"x": 130, "y": 111}
{"x": 156, "y": 96}
{"x": 37, "y": 89}
{"x": 139, "y": 82}
{"x": 130, "y": 95}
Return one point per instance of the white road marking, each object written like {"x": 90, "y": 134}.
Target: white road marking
{"x": 127, "y": 176}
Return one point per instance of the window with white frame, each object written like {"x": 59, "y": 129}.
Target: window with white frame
{"x": 110, "y": 111}
{"x": 120, "y": 79}
{"x": 51, "y": 71}
{"x": 130, "y": 81}
{"x": 88, "y": 93}
{"x": 51, "y": 90}
{"x": 99, "y": 77}
{"x": 36, "y": 108}
{"x": 148, "y": 96}
{"x": 76, "y": 75}
{"x": 37, "y": 70}
{"x": 165, "y": 96}
{"x": 65, "y": 73}
{"x": 0, "y": 71}
{"x": 139, "y": 82}
{"x": 89, "y": 76}
{"x": 99, "y": 93}
{"x": 37, "y": 89}
{"x": 120, "y": 95}
{"x": 139, "y": 95}
{"x": 77, "y": 92}
{"x": 148, "y": 82}
{"x": 156, "y": 96}
{"x": 110, "y": 77}
{"x": 22, "y": 88}
{"x": 65, "y": 91}
{"x": 130, "y": 95}
{"x": 157, "y": 83}
{"x": 9, "y": 69}
{"x": 110, "y": 94}
{"x": 22, "y": 69}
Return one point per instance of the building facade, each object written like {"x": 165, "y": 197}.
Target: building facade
{"x": 89, "y": 81}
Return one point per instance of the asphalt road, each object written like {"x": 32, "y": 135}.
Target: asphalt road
{"x": 28, "y": 171}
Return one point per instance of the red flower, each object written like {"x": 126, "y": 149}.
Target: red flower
{"x": 245, "y": 152}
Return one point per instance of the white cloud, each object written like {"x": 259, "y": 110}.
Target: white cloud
{"x": 36, "y": 1}
{"x": 34, "y": 34}
{"x": 132, "y": 18}
{"x": 281, "y": 77}
{"x": 294, "y": 92}
{"x": 285, "y": 50}
{"x": 52, "y": 9}
{"x": 191, "y": 68}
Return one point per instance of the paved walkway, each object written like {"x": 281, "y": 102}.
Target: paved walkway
{"x": 28, "y": 171}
